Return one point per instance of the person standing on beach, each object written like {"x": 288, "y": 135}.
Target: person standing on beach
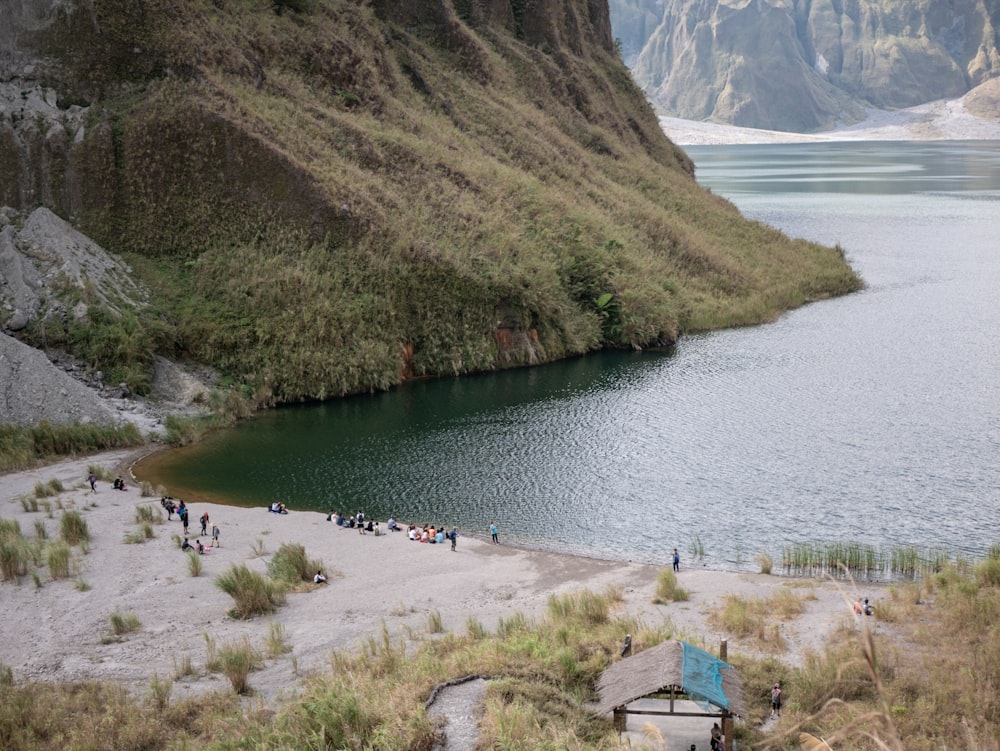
{"x": 454, "y": 537}
{"x": 677, "y": 561}
{"x": 493, "y": 533}
{"x": 776, "y": 700}
{"x": 92, "y": 479}
{"x": 215, "y": 536}
{"x": 204, "y": 523}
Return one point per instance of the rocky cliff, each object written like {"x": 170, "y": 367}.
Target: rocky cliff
{"x": 332, "y": 196}
{"x": 804, "y": 66}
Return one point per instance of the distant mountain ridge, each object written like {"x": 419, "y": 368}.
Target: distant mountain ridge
{"x": 804, "y": 66}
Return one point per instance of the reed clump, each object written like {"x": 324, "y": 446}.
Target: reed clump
{"x": 667, "y": 588}
{"x": 861, "y": 561}
{"x": 124, "y": 623}
{"x": 291, "y": 566}
{"x": 252, "y": 593}
{"x": 73, "y": 528}
{"x": 58, "y": 556}
{"x": 25, "y": 447}
{"x": 236, "y": 661}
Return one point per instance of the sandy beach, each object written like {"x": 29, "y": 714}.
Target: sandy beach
{"x": 56, "y": 632}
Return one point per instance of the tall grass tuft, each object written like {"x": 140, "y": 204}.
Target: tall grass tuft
{"x": 159, "y": 692}
{"x": 765, "y": 562}
{"x": 194, "y": 563}
{"x": 434, "y": 623}
{"x": 291, "y": 566}
{"x": 73, "y": 528}
{"x": 988, "y": 572}
{"x": 58, "y": 558}
{"x": 667, "y": 589}
{"x": 148, "y": 514}
{"x": 585, "y": 608}
{"x": 16, "y": 555}
{"x": 236, "y": 661}
{"x": 252, "y": 593}
{"x": 124, "y": 623}
{"x": 474, "y": 628}
{"x": 277, "y": 644}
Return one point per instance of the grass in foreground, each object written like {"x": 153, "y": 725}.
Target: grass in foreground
{"x": 860, "y": 692}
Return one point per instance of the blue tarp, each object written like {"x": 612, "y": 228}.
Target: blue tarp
{"x": 702, "y": 673}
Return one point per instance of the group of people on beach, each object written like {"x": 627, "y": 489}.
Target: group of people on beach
{"x": 429, "y": 533}
{"x": 357, "y": 522}
{"x": 173, "y": 506}
{"x": 434, "y": 535}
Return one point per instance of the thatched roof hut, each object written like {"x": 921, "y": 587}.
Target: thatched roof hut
{"x": 675, "y": 668}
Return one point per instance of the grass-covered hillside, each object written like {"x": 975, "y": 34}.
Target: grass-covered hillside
{"x": 330, "y": 196}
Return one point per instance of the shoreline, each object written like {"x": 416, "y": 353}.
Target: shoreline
{"x": 941, "y": 120}
{"x": 59, "y": 633}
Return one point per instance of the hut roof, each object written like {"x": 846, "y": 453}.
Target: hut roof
{"x": 677, "y": 664}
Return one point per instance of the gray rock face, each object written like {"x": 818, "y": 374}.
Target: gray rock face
{"x": 33, "y": 390}
{"x": 39, "y": 133}
{"x": 805, "y": 66}
{"x": 44, "y": 261}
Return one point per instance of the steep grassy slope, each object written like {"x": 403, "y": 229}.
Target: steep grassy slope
{"x": 333, "y": 195}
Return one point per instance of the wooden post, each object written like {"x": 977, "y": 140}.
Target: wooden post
{"x": 620, "y": 719}
{"x": 727, "y": 719}
{"x": 727, "y": 731}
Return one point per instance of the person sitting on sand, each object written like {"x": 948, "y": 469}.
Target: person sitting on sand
{"x": 391, "y": 525}
{"x": 118, "y": 484}
{"x": 186, "y": 546}
{"x": 319, "y": 578}
{"x": 201, "y": 548}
